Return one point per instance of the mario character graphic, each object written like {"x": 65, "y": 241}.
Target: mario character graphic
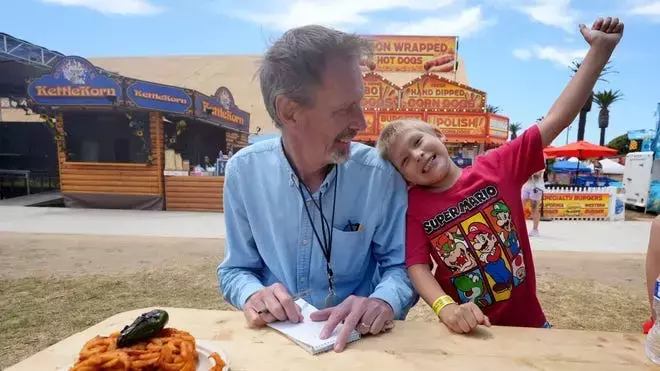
{"x": 518, "y": 268}
{"x": 490, "y": 253}
{"x": 471, "y": 287}
{"x": 453, "y": 251}
{"x": 508, "y": 235}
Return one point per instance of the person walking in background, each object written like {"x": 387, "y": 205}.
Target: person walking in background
{"x": 533, "y": 191}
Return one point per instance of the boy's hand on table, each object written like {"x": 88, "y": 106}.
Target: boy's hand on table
{"x": 463, "y": 318}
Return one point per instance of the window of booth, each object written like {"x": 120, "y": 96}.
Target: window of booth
{"x": 199, "y": 143}
{"x": 112, "y": 137}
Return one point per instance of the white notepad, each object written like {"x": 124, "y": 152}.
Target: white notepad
{"x": 306, "y": 333}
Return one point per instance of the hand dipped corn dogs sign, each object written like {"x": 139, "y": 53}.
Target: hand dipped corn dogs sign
{"x": 413, "y": 53}
{"x": 430, "y": 92}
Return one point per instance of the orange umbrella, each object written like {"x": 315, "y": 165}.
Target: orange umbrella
{"x": 545, "y": 155}
{"x": 581, "y": 150}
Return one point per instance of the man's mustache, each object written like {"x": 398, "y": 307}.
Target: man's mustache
{"x": 347, "y": 134}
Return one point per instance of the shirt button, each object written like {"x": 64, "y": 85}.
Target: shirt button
{"x": 305, "y": 242}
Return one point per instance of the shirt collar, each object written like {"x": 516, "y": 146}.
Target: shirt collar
{"x": 291, "y": 174}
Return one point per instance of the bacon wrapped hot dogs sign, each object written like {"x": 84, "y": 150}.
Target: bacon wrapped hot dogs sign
{"x": 413, "y": 53}
{"x": 430, "y": 92}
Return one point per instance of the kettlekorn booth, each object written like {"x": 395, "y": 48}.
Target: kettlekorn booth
{"x": 133, "y": 144}
{"x": 430, "y": 68}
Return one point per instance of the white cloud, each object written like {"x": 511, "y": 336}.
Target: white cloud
{"x": 463, "y": 24}
{"x": 556, "y": 13}
{"x": 349, "y": 14}
{"x": 649, "y": 9}
{"x": 121, "y": 7}
{"x": 524, "y": 54}
{"x": 559, "y": 56}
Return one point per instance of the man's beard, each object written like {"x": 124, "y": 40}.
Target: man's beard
{"x": 339, "y": 156}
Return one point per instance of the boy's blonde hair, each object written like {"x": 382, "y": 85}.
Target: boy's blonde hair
{"x": 397, "y": 127}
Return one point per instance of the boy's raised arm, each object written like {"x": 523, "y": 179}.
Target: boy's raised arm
{"x": 603, "y": 37}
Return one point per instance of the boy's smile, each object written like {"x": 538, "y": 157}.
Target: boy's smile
{"x": 421, "y": 158}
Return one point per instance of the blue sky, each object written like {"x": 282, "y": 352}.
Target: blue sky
{"x": 517, "y": 51}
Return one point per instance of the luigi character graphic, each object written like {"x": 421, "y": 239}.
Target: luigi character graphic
{"x": 454, "y": 253}
{"x": 510, "y": 238}
{"x": 471, "y": 287}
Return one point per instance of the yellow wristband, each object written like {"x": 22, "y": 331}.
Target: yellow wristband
{"x": 441, "y": 302}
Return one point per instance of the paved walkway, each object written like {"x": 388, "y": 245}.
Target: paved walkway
{"x": 588, "y": 236}
{"x": 582, "y": 236}
{"x": 111, "y": 222}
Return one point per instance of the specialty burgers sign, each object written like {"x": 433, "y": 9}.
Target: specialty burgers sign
{"x": 413, "y": 53}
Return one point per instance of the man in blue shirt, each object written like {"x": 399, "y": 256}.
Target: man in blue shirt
{"x": 313, "y": 211}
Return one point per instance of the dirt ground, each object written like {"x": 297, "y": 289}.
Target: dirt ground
{"x": 24, "y": 255}
{"x": 71, "y": 282}
{"x": 638, "y": 214}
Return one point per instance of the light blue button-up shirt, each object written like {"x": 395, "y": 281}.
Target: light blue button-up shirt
{"x": 270, "y": 239}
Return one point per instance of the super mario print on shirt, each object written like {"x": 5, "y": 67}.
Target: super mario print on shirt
{"x": 475, "y": 233}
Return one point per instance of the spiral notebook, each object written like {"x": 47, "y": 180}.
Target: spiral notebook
{"x": 306, "y": 333}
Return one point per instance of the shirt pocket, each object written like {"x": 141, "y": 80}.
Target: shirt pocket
{"x": 352, "y": 255}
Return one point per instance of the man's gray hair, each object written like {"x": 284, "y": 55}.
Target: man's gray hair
{"x": 293, "y": 65}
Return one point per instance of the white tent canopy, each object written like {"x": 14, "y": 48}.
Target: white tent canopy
{"x": 609, "y": 167}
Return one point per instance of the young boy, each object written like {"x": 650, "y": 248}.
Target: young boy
{"x": 471, "y": 221}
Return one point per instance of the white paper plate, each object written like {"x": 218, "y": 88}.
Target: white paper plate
{"x": 204, "y": 350}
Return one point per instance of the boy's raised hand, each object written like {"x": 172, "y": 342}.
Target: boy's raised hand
{"x": 603, "y": 36}
{"x": 604, "y": 31}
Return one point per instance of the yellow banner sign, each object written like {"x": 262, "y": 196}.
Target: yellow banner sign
{"x": 412, "y": 53}
{"x": 458, "y": 125}
{"x": 576, "y": 204}
{"x": 436, "y": 93}
{"x": 379, "y": 93}
{"x": 370, "y": 118}
{"x": 385, "y": 118}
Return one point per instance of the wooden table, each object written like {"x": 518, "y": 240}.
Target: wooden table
{"x": 409, "y": 346}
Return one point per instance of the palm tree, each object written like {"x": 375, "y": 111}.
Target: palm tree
{"x": 492, "y": 109}
{"x": 582, "y": 122}
{"x": 514, "y": 129}
{"x": 604, "y": 100}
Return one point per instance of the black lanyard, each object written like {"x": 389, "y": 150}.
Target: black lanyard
{"x": 326, "y": 228}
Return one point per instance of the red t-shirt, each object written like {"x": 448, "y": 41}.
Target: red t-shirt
{"x": 476, "y": 233}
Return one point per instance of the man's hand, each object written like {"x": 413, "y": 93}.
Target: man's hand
{"x": 463, "y": 318}
{"x": 274, "y": 303}
{"x": 367, "y": 315}
{"x": 604, "y": 31}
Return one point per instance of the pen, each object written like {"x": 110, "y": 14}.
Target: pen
{"x": 294, "y": 298}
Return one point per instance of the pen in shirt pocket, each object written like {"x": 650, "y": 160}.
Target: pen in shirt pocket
{"x": 353, "y": 227}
